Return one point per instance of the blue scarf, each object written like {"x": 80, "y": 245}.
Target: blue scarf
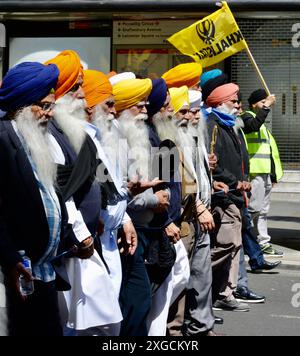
{"x": 225, "y": 119}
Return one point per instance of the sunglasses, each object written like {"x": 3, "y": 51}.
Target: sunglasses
{"x": 183, "y": 111}
{"x": 140, "y": 106}
{"x": 75, "y": 88}
{"x": 45, "y": 106}
{"x": 110, "y": 104}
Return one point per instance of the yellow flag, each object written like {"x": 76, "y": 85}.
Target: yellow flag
{"x": 211, "y": 39}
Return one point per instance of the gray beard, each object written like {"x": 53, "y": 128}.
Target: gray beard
{"x": 37, "y": 141}
{"x": 137, "y": 136}
{"x": 225, "y": 110}
{"x": 165, "y": 127}
{"x": 239, "y": 124}
{"x": 71, "y": 116}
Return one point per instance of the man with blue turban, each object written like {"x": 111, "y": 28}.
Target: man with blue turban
{"x": 31, "y": 213}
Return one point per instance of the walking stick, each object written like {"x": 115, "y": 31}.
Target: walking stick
{"x": 213, "y": 144}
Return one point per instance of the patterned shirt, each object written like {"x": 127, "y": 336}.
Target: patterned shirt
{"x": 43, "y": 269}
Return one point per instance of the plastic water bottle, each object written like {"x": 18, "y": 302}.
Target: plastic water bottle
{"x": 26, "y": 288}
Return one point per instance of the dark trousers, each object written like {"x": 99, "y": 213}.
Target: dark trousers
{"x": 250, "y": 243}
{"x": 135, "y": 295}
{"x": 38, "y": 315}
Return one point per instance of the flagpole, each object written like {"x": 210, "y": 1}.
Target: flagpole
{"x": 257, "y": 70}
{"x": 252, "y": 60}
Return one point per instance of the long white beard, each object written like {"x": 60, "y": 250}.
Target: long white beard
{"x": 37, "y": 140}
{"x": 71, "y": 116}
{"x": 239, "y": 124}
{"x": 165, "y": 126}
{"x": 199, "y": 130}
{"x": 136, "y": 132}
{"x": 108, "y": 131}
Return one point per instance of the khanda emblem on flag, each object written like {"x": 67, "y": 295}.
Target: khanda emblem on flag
{"x": 206, "y": 31}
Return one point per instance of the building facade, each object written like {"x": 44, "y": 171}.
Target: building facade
{"x": 131, "y": 35}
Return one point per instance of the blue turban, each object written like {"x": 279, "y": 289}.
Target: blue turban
{"x": 157, "y": 96}
{"x": 27, "y": 83}
{"x": 211, "y": 74}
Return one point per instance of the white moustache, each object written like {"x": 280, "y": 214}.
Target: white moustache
{"x": 141, "y": 117}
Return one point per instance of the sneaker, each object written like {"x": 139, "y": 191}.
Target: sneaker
{"x": 270, "y": 251}
{"x": 230, "y": 305}
{"x": 244, "y": 294}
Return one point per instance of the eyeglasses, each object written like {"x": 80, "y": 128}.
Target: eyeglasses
{"x": 194, "y": 111}
{"x": 45, "y": 106}
{"x": 110, "y": 104}
{"x": 141, "y": 105}
{"x": 183, "y": 111}
{"x": 75, "y": 87}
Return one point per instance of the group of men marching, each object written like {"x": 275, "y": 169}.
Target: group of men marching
{"x": 131, "y": 198}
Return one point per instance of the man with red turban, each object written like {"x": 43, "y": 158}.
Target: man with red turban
{"x": 226, "y": 240}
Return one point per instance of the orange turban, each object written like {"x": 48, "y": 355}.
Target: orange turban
{"x": 179, "y": 97}
{"x": 129, "y": 92}
{"x": 68, "y": 63}
{"x": 111, "y": 74}
{"x": 184, "y": 74}
{"x": 222, "y": 94}
{"x": 96, "y": 87}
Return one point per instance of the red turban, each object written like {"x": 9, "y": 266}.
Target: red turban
{"x": 222, "y": 94}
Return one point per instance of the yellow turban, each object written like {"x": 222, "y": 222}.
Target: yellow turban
{"x": 184, "y": 74}
{"x": 96, "y": 87}
{"x": 179, "y": 97}
{"x": 129, "y": 92}
{"x": 68, "y": 63}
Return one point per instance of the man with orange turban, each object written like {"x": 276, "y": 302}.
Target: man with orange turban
{"x": 227, "y": 238}
{"x": 76, "y": 155}
{"x": 184, "y": 74}
{"x": 101, "y": 114}
{"x": 70, "y": 71}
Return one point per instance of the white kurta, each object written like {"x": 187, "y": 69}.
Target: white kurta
{"x": 92, "y": 301}
{"x": 3, "y": 316}
{"x": 114, "y": 216}
{"x": 167, "y": 293}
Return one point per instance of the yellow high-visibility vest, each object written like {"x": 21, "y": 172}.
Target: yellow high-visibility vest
{"x": 261, "y": 148}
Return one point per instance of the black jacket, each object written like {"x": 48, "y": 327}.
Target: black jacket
{"x": 253, "y": 123}
{"x": 23, "y": 221}
{"x": 230, "y": 162}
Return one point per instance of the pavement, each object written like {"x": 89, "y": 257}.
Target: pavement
{"x": 284, "y": 228}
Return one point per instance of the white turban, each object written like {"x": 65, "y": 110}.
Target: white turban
{"x": 120, "y": 77}
{"x": 195, "y": 97}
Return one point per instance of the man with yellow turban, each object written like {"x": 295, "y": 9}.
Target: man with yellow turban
{"x": 184, "y": 74}
{"x": 173, "y": 127}
{"x": 76, "y": 156}
{"x": 131, "y": 101}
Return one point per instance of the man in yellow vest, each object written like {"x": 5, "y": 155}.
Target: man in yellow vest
{"x": 265, "y": 164}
